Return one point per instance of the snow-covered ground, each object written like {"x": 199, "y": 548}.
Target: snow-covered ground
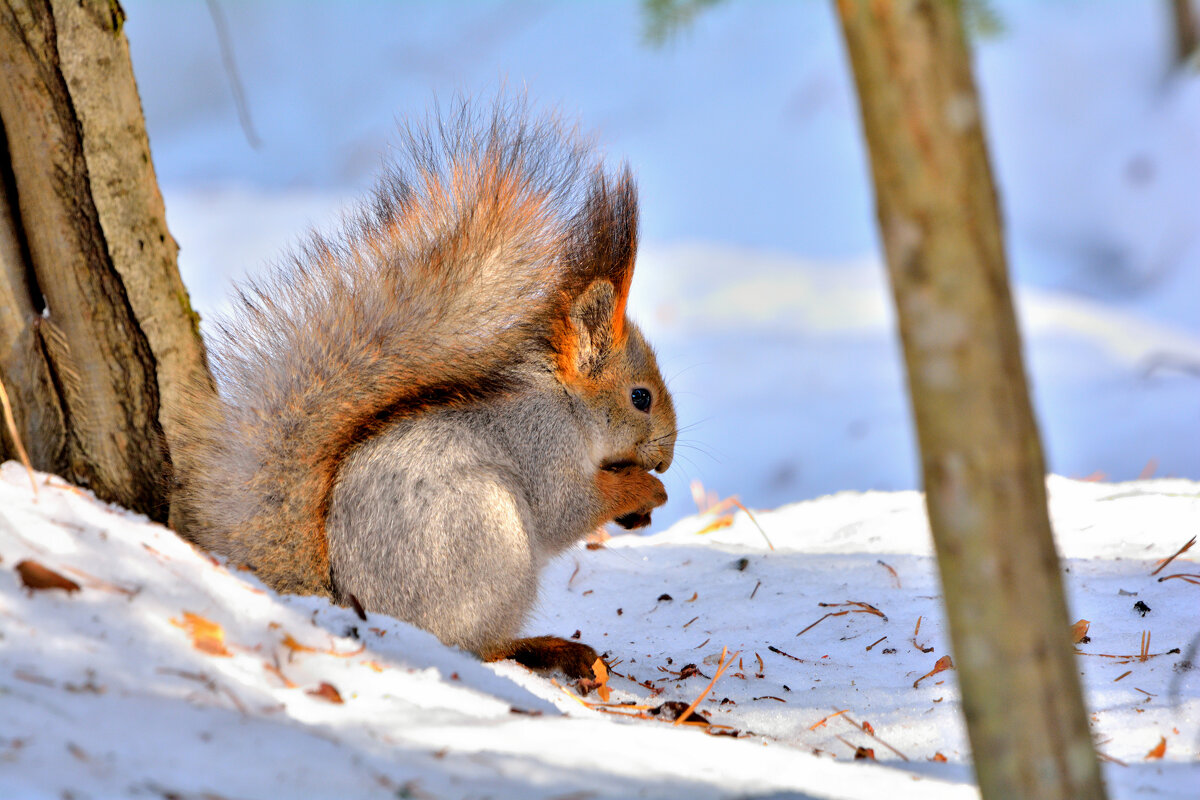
{"x": 115, "y": 690}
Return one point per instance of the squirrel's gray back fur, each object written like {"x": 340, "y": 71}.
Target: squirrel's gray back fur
{"x": 375, "y": 376}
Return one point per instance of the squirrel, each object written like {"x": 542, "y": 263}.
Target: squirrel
{"x": 419, "y": 411}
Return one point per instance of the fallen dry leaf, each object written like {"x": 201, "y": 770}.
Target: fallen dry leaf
{"x": 296, "y": 647}
{"x": 327, "y": 691}
{"x": 207, "y": 636}
{"x": 1079, "y": 630}
{"x": 601, "y": 679}
{"x": 938, "y": 757}
{"x": 599, "y": 683}
{"x": 825, "y": 719}
{"x": 1159, "y": 750}
{"x": 716, "y": 525}
{"x": 943, "y": 663}
{"x": 36, "y": 577}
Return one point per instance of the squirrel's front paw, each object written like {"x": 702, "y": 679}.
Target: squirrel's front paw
{"x": 634, "y": 520}
{"x": 629, "y": 495}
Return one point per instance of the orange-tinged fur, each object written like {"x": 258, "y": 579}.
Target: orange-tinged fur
{"x": 490, "y": 270}
{"x": 358, "y": 327}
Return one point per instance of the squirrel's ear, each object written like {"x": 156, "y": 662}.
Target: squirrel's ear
{"x": 617, "y": 226}
{"x": 606, "y": 235}
{"x": 602, "y": 251}
{"x": 586, "y": 340}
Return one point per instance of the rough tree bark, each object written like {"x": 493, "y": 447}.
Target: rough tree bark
{"x": 23, "y": 365}
{"x": 981, "y": 457}
{"x": 101, "y": 336}
{"x": 94, "y": 56}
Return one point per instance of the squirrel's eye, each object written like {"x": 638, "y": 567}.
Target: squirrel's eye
{"x": 641, "y": 399}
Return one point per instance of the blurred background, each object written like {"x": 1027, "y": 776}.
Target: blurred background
{"x": 760, "y": 279}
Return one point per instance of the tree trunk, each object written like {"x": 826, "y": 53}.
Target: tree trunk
{"x": 23, "y": 365}
{"x": 101, "y": 300}
{"x": 1187, "y": 33}
{"x": 981, "y": 458}
{"x": 94, "y": 56}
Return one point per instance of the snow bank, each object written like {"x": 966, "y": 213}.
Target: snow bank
{"x": 113, "y": 691}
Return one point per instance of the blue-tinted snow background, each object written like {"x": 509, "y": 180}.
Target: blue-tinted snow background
{"x": 759, "y": 280}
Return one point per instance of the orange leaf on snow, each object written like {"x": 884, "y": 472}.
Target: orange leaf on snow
{"x": 327, "y": 691}
{"x": 207, "y": 636}
{"x": 36, "y": 577}
{"x": 825, "y": 719}
{"x": 602, "y": 679}
{"x": 716, "y": 525}
{"x": 943, "y": 663}
{"x": 296, "y": 647}
{"x": 938, "y": 757}
{"x": 1159, "y": 750}
{"x": 599, "y": 682}
{"x": 1079, "y": 630}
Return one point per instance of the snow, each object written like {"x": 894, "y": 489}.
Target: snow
{"x": 102, "y": 693}
{"x": 760, "y": 283}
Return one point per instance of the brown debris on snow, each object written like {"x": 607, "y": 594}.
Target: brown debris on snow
{"x": 328, "y": 692}
{"x": 36, "y": 577}
{"x": 943, "y": 663}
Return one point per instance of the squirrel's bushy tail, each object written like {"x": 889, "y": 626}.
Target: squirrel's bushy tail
{"x": 480, "y": 233}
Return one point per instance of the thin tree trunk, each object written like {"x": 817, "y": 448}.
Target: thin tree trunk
{"x": 102, "y": 367}
{"x": 1187, "y": 33}
{"x": 981, "y": 457}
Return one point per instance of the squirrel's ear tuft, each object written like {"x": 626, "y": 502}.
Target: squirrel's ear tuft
{"x": 585, "y": 340}
{"x": 605, "y": 245}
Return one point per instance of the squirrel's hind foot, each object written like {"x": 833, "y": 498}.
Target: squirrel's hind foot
{"x": 547, "y": 653}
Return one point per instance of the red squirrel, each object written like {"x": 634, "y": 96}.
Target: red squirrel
{"x": 418, "y": 412}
